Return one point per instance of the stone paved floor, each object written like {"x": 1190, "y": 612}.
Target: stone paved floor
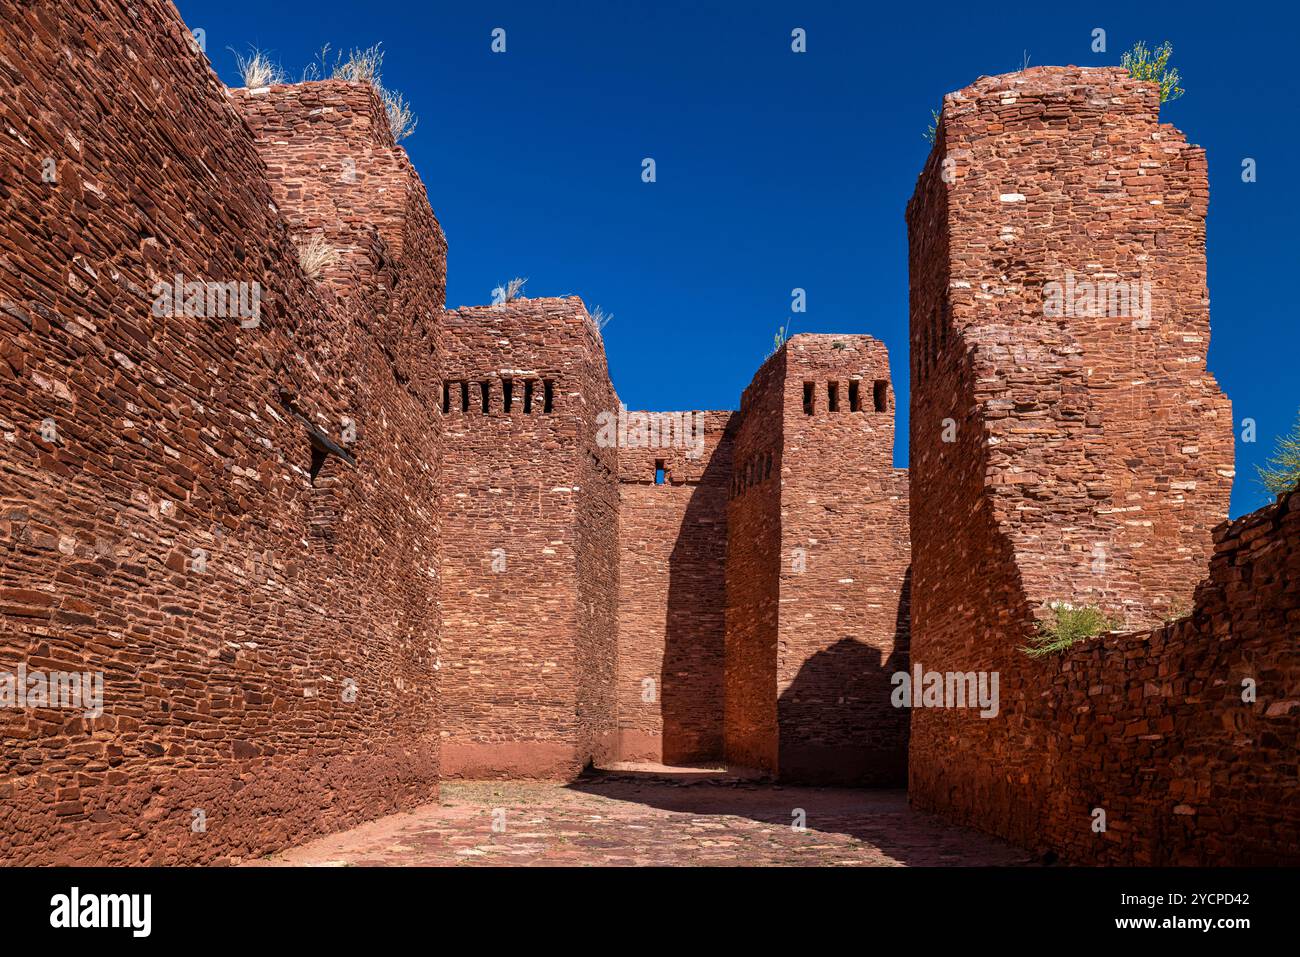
{"x": 630, "y": 819}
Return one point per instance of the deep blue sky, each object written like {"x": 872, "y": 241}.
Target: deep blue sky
{"x": 778, "y": 170}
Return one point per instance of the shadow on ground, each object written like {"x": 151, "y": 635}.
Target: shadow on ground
{"x": 631, "y": 818}
{"x": 881, "y": 818}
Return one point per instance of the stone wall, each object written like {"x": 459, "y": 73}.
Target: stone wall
{"x": 754, "y": 563}
{"x": 817, "y": 564}
{"x": 844, "y": 543}
{"x": 530, "y": 516}
{"x": 219, "y": 514}
{"x": 1186, "y": 735}
{"x": 673, "y": 589}
{"x": 327, "y": 541}
{"x": 1058, "y": 454}
{"x": 336, "y": 173}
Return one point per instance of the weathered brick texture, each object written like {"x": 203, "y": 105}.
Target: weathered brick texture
{"x": 530, "y": 518}
{"x": 267, "y": 642}
{"x": 336, "y": 172}
{"x": 673, "y": 590}
{"x": 326, "y": 555}
{"x": 1064, "y": 455}
{"x": 1186, "y": 735}
{"x": 817, "y": 568}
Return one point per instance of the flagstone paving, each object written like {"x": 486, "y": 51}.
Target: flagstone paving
{"x": 636, "y": 820}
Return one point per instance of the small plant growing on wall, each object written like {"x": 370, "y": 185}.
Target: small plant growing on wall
{"x": 364, "y": 66}
{"x": 933, "y": 129}
{"x": 258, "y": 70}
{"x": 1067, "y": 626}
{"x": 778, "y": 340}
{"x": 509, "y": 291}
{"x": 1153, "y": 65}
{"x": 1281, "y": 473}
{"x": 315, "y": 255}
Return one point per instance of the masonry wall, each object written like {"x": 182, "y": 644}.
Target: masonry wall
{"x": 529, "y": 574}
{"x": 1060, "y": 457}
{"x": 817, "y": 566}
{"x": 337, "y": 174}
{"x": 267, "y": 638}
{"x": 844, "y": 543}
{"x": 753, "y": 566}
{"x": 672, "y": 590}
{"x": 1185, "y": 735}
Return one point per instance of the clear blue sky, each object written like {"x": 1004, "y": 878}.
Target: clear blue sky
{"x": 778, "y": 170}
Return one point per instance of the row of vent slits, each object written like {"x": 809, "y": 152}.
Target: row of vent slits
{"x": 879, "y": 397}
{"x": 931, "y": 339}
{"x": 757, "y": 468}
{"x": 460, "y": 395}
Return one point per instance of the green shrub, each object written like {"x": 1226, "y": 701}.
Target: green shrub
{"x": 1067, "y": 627}
{"x": 1144, "y": 64}
{"x": 1282, "y": 472}
{"x": 933, "y": 129}
{"x": 778, "y": 340}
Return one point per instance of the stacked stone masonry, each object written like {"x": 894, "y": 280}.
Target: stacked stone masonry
{"x": 673, "y": 491}
{"x": 817, "y": 568}
{"x": 1070, "y": 446}
{"x": 529, "y": 506}
{"x": 219, "y": 514}
{"x": 331, "y": 541}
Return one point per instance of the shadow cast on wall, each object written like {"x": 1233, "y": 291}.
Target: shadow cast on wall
{"x": 691, "y": 677}
{"x": 836, "y": 723}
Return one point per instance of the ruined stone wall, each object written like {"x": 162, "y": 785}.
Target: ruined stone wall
{"x": 673, "y": 590}
{"x": 529, "y": 572}
{"x": 597, "y": 537}
{"x": 182, "y": 508}
{"x": 817, "y": 562}
{"x": 844, "y": 544}
{"x": 754, "y": 573}
{"x": 1057, "y": 454}
{"x": 1185, "y": 735}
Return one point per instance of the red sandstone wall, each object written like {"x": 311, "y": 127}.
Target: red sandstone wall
{"x": 817, "y": 563}
{"x": 530, "y": 631}
{"x": 1152, "y": 726}
{"x": 336, "y": 172}
{"x": 672, "y": 597}
{"x": 268, "y": 644}
{"x": 1088, "y": 455}
{"x": 754, "y": 562}
{"x": 844, "y": 619}
{"x": 597, "y": 531}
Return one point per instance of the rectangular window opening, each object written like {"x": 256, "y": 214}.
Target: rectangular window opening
{"x": 528, "y": 397}
{"x": 464, "y": 396}
{"x": 809, "y": 393}
{"x": 855, "y": 398}
{"x": 486, "y": 389}
{"x": 661, "y": 474}
{"x": 548, "y": 395}
{"x": 446, "y": 396}
{"x": 880, "y": 393}
{"x": 507, "y": 390}
{"x": 832, "y": 396}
